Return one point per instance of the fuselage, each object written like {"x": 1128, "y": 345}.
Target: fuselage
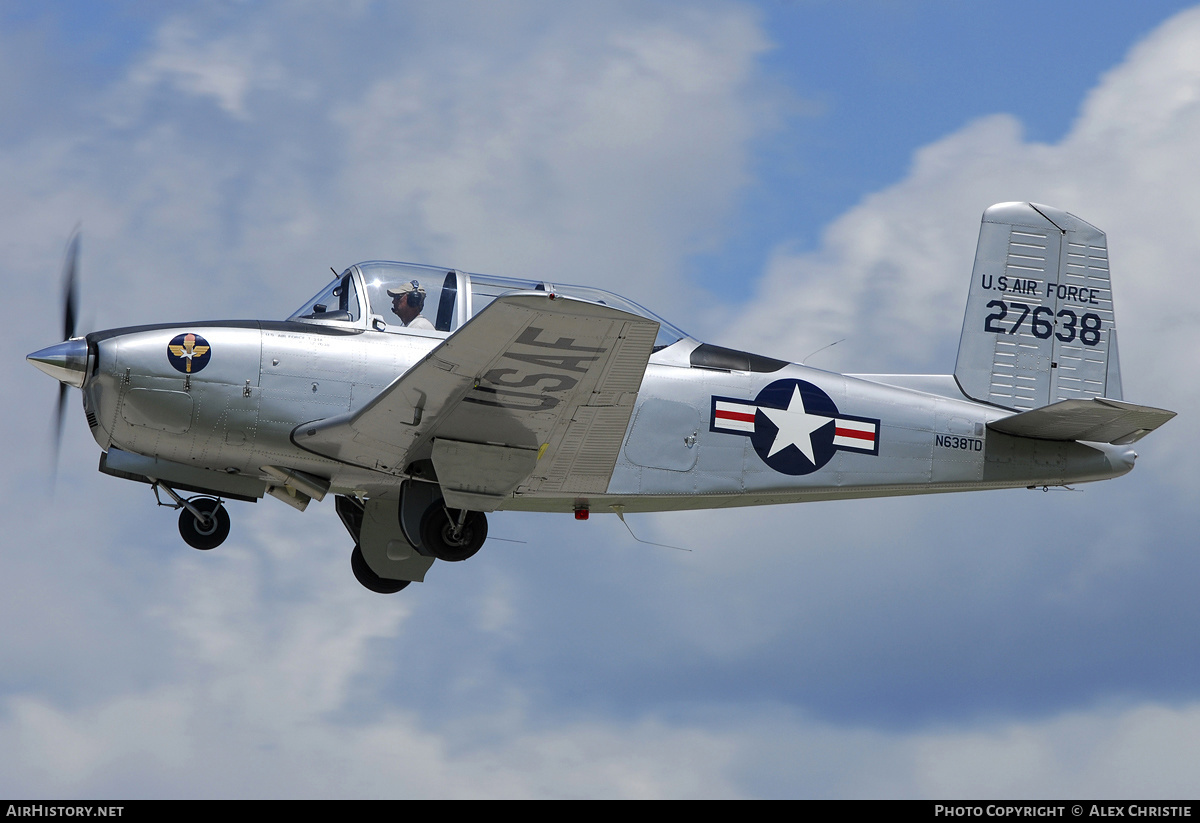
{"x": 708, "y": 430}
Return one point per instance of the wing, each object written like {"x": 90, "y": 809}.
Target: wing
{"x": 533, "y": 394}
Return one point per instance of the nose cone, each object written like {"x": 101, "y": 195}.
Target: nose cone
{"x": 66, "y": 361}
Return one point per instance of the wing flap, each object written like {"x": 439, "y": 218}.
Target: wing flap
{"x": 532, "y": 374}
{"x": 478, "y": 476}
{"x": 1098, "y": 420}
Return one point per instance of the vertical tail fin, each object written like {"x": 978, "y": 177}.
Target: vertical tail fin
{"x": 1039, "y": 325}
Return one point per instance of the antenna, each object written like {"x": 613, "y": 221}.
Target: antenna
{"x": 804, "y": 362}
{"x": 620, "y": 510}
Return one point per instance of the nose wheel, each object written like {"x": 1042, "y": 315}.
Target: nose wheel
{"x": 203, "y": 521}
{"x": 209, "y": 528}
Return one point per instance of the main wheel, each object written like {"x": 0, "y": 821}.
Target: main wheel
{"x": 363, "y": 574}
{"x": 207, "y": 532}
{"x": 440, "y": 537}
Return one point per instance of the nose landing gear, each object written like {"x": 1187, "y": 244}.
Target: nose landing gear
{"x": 203, "y": 521}
{"x": 209, "y": 529}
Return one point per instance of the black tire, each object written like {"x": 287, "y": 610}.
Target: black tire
{"x": 437, "y": 534}
{"x": 207, "y": 533}
{"x": 364, "y": 575}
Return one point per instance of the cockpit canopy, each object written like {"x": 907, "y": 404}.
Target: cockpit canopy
{"x": 358, "y": 298}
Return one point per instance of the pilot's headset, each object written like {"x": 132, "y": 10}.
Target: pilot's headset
{"x": 416, "y": 296}
{"x": 413, "y": 293}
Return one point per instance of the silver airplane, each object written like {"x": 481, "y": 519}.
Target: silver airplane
{"x": 423, "y": 398}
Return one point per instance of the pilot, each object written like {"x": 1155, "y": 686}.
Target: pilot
{"x": 407, "y": 301}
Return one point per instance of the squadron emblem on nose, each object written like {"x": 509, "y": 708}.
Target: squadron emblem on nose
{"x": 188, "y": 353}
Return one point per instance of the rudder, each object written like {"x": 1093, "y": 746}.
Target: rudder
{"x": 1039, "y": 323}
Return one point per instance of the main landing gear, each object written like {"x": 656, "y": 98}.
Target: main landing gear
{"x": 351, "y": 513}
{"x": 368, "y": 578}
{"x": 452, "y": 534}
{"x": 397, "y": 538}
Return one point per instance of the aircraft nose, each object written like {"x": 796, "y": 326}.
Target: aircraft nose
{"x": 65, "y": 361}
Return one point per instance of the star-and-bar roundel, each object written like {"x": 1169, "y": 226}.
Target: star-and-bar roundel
{"x": 188, "y": 353}
{"x": 794, "y": 426}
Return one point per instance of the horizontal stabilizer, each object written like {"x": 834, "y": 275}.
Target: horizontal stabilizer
{"x": 1098, "y": 420}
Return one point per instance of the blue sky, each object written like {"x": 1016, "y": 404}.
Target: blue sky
{"x": 871, "y": 81}
{"x": 771, "y": 176}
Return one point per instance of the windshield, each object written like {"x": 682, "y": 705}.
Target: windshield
{"x": 336, "y": 302}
